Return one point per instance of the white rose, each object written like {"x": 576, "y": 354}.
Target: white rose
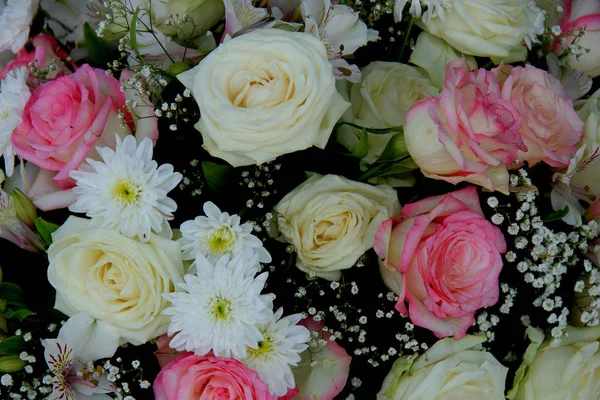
{"x": 332, "y": 221}
{"x": 433, "y": 54}
{"x": 113, "y": 278}
{"x": 263, "y": 94}
{"x": 450, "y": 369}
{"x": 570, "y": 370}
{"x": 382, "y": 100}
{"x": 484, "y": 28}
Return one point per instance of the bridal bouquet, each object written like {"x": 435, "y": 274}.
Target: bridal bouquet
{"x": 300, "y": 199}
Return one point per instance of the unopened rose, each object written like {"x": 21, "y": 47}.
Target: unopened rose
{"x": 443, "y": 258}
{"x": 331, "y": 221}
{"x": 469, "y": 133}
{"x": 200, "y": 17}
{"x": 450, "y": 369}
{"x": 484, "y": 28}
{"x": 113, "y": 278}
{"x": 382, "y": 99}
{"x": 551, "y": 129}
{"x": 263, "y": 94}
{"x": 569, "y": 370}
{"x": 191, "y": 377}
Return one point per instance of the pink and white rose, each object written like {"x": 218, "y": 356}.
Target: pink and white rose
{"x": 191, "y": 377}
{"x": 582, "y": 14}
{"x": 443, "y": 258}
{"x": 328, "y": 377}
{"x": 45, "y": 52}
{"x": 469, "y": 133}
{"x": 63, "y": 122}
{"x": 551, "y": 129}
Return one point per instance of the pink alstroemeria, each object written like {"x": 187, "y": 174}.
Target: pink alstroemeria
{"x": 81, "y": 339}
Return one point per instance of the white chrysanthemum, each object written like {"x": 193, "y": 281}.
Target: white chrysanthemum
{"x": 434, "y": 8}
{"x": 15, "y": 18}
{"x": 219, "y": 234}
{"x": 220, "y": 309}
{"x": 128, "y": 190}
{"x": 283, "y": 341}
{"x": 14, "y": 95}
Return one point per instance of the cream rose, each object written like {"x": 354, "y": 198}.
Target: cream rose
{"x": 489, "y": 28}
{"x": 332, "y": 221}
{"x": 263, "y": 94}
{"x": 382, "y": 100}
{"x": 113, "y": 278}
{"x": 450, "y": 369}
{"x": 570, "y": 370}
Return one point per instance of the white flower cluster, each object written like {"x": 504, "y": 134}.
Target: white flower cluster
{"x": 550, "y": 256}
{"x": 221, "y": 309}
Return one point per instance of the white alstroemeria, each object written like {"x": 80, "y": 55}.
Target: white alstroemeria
{"x": 81, "y": 340}
{"x": 67, "y": 17}
{"x": 15, "y": 19}
{"x": 219, "y": 234}
{"x": 127, "y": 190}
{"x": 220, "y": 308}
{"x": 283, "y": 341}
{"x": 14, "y": 95}
{"x": 433, "y": 9}
{"x": 241, "y": 16}
{"x": 565, "y": 194}
{"x": 342, "y": 31}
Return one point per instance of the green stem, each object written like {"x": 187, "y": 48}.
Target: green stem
{"x": 411, "y": 22}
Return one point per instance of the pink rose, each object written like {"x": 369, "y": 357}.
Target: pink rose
{"x": 446, "y": 259}
{"x": 551, "y": 129}
{"x": 45, "y": 49}
{"x": 469, "y": 133}
{"x": 63, "y": 122}
{"x": 581, "y": 14}
{"x": 191, "y": 377}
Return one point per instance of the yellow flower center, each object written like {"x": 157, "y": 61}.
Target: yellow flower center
{"x": 265, "y": 347}
{"x": 221, "y": 308}
{"x": 127, "y": 192}
{"x": 221, "y": 240}
{"x": 3, "y": 114}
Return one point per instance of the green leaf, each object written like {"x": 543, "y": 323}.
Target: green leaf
{"x": 20, "y": 314}
{"x": 12, "y": 345}
{"x": 372, "y": 130}
{"x": 216, "y": 175}
{"x": 560, "y": 214}
{"x": 12, "y": 294}
{"x": 395, "y": 149}
{"x": 45, "y": 229}
{"x": 133, "y": 31}
{"x": 361, "y": 148}
{"x": 98, "y": 49}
